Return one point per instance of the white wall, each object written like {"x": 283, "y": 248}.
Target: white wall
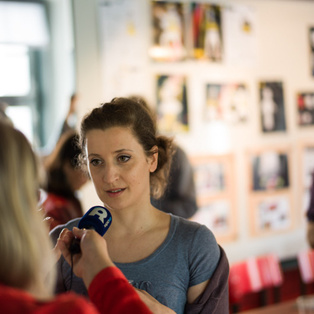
{"x": 282, "y": 54}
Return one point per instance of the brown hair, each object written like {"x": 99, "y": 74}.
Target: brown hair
{"x": 125, "y": 112}
{"x": 67, "y": 150}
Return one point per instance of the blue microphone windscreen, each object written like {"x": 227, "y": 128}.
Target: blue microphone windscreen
{"x": 97, "y": 218}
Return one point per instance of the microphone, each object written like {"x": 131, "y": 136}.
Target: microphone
{"x": 97, "y": 218}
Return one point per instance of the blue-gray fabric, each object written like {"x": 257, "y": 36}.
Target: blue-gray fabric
{"x": 187, "y": 257}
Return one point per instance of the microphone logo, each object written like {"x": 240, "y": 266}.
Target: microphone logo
{"x": 97, "y": 218}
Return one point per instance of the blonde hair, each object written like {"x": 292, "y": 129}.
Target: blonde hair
{"x": 26, "y": 260}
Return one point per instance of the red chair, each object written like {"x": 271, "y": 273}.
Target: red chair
{"x": 306, "y": 265}
{"x": 256, "y": 274}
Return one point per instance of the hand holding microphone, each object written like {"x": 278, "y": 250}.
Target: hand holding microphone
{"x": 97, "y": 218}
{"x": 92, "y": 255}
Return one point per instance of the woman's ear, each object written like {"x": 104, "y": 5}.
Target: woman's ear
{"x": 153, "y": 159}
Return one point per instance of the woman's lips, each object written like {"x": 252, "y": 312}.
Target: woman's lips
{"x": 115, "y": 192}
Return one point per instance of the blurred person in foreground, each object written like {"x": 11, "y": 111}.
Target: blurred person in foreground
{"x": 27, "y": 267}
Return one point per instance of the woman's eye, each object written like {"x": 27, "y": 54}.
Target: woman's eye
{"x": 95, "y": 162}
{"x": 124, "y": 158}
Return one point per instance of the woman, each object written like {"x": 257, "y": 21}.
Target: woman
{"x": 171, "y": 258}
{"x": 27, "y": 266}
{"x": 64, "y": 180}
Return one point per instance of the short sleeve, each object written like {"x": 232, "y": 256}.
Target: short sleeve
{"x": 204, "y": 256}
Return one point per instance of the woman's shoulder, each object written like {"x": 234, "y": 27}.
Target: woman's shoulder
{"x": 194, "y": 231}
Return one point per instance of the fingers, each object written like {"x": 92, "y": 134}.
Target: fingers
{"x": 64, "y": 241}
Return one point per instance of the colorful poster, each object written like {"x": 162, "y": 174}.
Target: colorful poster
{"x": 272, "y": 107}
{"x": 305, "y": 108}
{"x": 207, "y": 33}
{"x": 227, "y": 102}
{"x": 172, "y": 107}
{"x": 168, "y": 31}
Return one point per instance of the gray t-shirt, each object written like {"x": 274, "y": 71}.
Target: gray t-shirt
{"x": 188, "y": 256}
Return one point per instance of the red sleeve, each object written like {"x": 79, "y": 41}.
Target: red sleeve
{"x": 111, "y": 293}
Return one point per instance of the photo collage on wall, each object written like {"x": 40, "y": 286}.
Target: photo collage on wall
{"x": 270, "y": 191}
{"x": 215, "y": 194}
{"x": 197, "y": 32}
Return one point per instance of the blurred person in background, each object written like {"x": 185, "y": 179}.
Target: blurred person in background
{"x": 179, "y": 197}
{"x": 64, "y": 180}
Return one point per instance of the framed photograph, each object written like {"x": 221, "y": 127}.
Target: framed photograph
{"x": 305, "y": 108}
{"x": 269, "y": 170}
{"x": 172, "y": 107}
{"x": 306, "y": 170}
{"x": 215, "y": 194}
{"x": 228, "y": 102}
{"x": 168, "y": 24}
{"x": 311, "y": 41}
{"x": 271, "y": 213}
{"x": 272, "y": 107}
{"x": 207, "y": 34}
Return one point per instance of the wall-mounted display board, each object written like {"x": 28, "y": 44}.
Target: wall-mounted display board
{"x": 215, "y": 194}
{"x": 270, "y": 198}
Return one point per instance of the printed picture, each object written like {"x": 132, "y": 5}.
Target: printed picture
{"x": 228, "y": 102}
{"x": 216, "y": 216}
{"x": 168, "y": 31}
{"x": 172, "y": 107}
{"x": 307, "y": 171}
{"x": 270, "y": 171}
{"x": 210, "y": 178}
{"x": 207, "y": 34}
{"x": 311, "y": 40}
{"x": 272, "y": 108}
{"x": 215, "y": 194}
{"x": 305, "y": 107}
{"x": 273, "y": 213}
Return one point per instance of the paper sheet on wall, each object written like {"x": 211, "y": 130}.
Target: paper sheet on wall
{"x": 239, "y": 29}
{"x": 123, "y": 46}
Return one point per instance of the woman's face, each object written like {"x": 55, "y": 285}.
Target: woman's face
{"x": 119, "y": 167}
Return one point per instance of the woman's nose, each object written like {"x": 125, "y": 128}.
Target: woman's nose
{"x": 110, "y": 174}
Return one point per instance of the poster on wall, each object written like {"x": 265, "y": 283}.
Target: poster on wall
{"x": 168, "y": 25}
{"x": 270, "y": 200}
{"x": 207, "y": 32}
{"x": 239, "y": 26}
{"x": 271, "y": 213}
{"x": 216, "y": 216}
{"x": 269, "y": 170}
{"x": 215, "y": 194}
{"x": 311, "y": 40}
{"x": 306, "y": 158}
{"x": 272, "y": 106}
{"x": 227, "y": 102}
{"x": 305, "y": 108}
{"x": 172, "y": 107}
